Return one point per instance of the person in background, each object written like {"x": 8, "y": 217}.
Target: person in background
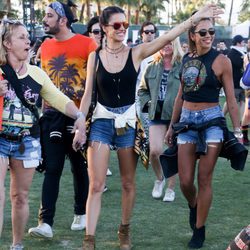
{"x": 246, "y": 115}
{"x": 248, "y": 45}
{"x": 204, "y": 71}
{"x": 236, "y": 55}
{"x": 185, "y": 47}
{"x": 129, "y": 42}
{"x": 158, "y": 89}
{"x": 222, "y": 48}
{"x": 64, "y": 59}
{"x": 20, "y": 148}
{"x": 147, "y": 32}
{"x": 114, "y": 119}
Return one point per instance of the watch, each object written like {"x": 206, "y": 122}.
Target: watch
{"x": 237, "y": 133}
{"x": 80, "y": 114}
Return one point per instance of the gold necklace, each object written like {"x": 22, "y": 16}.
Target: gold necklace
{"x": 115, "y": 52}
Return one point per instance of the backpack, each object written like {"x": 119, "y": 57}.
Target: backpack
{"x": 246, "y": 74}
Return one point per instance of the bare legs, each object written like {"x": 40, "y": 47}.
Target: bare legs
{"x": 3, "y": 170}
{"x": 202, "y": 197}
{"x": 156, "y": 142}
{"x": 21, "y": 180}
{"x": 97, "y": 169}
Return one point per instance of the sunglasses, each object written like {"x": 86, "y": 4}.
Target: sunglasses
{"x": 118, "y": 25}
{"x": 148, "y": 31}
{"x": 203, "y": 32}
{"x": 96, "y": 32}
{"x": 5, "y": 23}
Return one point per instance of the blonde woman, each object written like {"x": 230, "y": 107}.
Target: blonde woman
{"x": 19, "y": 138}
{"x": 158, "y": 89}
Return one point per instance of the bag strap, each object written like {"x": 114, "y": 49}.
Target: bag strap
{"x": 10, "y": 75}
{"x": 94, "y": 92}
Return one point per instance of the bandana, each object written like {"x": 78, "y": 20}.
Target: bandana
{"x": 58, "y": 8}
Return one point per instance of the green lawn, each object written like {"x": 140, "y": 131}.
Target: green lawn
{"x": 155, "y": 224}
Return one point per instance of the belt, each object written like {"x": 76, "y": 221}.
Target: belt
{"x": 12, "y": 137}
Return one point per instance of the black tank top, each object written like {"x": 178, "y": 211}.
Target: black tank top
{"x": 117, "y": 89}
{"x": 200, "y": 84}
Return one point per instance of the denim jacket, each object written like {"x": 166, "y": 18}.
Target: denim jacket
{"x": 149, "y": 89}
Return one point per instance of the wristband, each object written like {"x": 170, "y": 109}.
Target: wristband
{"x": 80, "y": 114}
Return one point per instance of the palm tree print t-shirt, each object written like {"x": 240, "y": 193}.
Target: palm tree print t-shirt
{"x": 66, "y": 64}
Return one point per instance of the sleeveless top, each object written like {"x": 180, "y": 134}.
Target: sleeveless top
{"x": 116, "y": 89}
{"x": 200, "y": 84}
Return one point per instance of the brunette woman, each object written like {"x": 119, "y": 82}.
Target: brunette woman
{"x": 114, "y": 119}
{"x": 204, "y": 71}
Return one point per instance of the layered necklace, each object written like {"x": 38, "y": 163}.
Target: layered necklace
{"x": 116, "y": 78}
{"x": 116, "y": 51}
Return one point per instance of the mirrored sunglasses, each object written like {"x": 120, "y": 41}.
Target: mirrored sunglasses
{"x": 149, "y": 31}
{"x": 203, "y": 32}
{"x": 118, "y": 25}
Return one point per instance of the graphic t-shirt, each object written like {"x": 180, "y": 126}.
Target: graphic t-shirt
{"x": 66, "y": 63}
{"x": 163, "y": 85}
{"x": 16, "y": 118}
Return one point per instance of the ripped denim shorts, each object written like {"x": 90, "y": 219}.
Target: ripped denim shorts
{"x": 103, "y": 131}
{"x": 212, "y": 134}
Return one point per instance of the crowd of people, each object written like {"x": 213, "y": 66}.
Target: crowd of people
{"x": 159, "y": 81}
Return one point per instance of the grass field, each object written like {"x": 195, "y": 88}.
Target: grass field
{"x": 155, "y": 224}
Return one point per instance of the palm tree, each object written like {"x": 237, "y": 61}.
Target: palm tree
{"x": 230, "y": 13}
{"x": 150, "y": 8}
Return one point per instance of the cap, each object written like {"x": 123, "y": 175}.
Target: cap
{"x": 237, "y": 39}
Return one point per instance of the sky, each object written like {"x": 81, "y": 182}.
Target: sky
{"x": 225, "y": 16}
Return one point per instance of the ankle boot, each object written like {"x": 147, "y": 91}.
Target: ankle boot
{"x": 198, "y": 238}
{"x": 124, "y": 237}
{"x": 244, "y": 130}
{"x": 89, "y": 242}
{"x": 192, "y": 216}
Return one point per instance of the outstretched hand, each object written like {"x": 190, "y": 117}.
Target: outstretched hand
{"x": 208, "y": 11}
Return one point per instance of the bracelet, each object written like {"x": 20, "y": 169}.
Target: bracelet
{"x": 237, "y": 133}
{"x": 237, "y": 130}
{"x": 80, "y": 114}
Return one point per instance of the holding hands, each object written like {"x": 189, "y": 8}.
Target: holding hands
{"x": 80, "y": 133}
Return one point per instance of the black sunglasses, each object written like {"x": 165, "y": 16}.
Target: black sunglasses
{"x": 96, "y": 32}
{"x": 203, "y": 32}
{"x": 118, "y": 25}
{"x": 148, "y": 31}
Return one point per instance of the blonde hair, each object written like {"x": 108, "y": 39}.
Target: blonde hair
{"x": 177, "y": 52}
{"x": 7, "y": 28}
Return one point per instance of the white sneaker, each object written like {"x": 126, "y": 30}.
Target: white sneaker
{"x": 169, "y": 195}
{"x": 105, "y": 189}
{"x": 158, "y": 188}
{"x": 109, "y": 173}
{"x": 43, "y": 230}
{"x": 17, "y": 247}
{"x": 79, "y": 222}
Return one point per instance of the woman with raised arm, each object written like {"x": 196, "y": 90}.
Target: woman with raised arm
{"x": 20, "y": 148}
{"x": 204, "y": 71}
{"x": 114, "y": 119}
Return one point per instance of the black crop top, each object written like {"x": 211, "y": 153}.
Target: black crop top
{"x": 200, "y": 84}
{"x": 117, "y": 89}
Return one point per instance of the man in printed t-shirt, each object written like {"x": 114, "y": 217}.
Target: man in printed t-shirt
{"x": 64, "y": 58}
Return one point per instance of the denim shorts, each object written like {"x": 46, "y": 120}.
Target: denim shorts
{"x": 31, "y": 155}
{"x": 212, "y": 134}
{"x": 103, "y": 130}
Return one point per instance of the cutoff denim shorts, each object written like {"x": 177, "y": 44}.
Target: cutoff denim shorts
{"x": 103, "y": 131}
{"x": 31, "y": 155}
{"x": 212, "y": 134}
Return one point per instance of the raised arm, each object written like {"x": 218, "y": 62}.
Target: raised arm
{"x": 147, "y": 49}
{"x": 227, "y": 82}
